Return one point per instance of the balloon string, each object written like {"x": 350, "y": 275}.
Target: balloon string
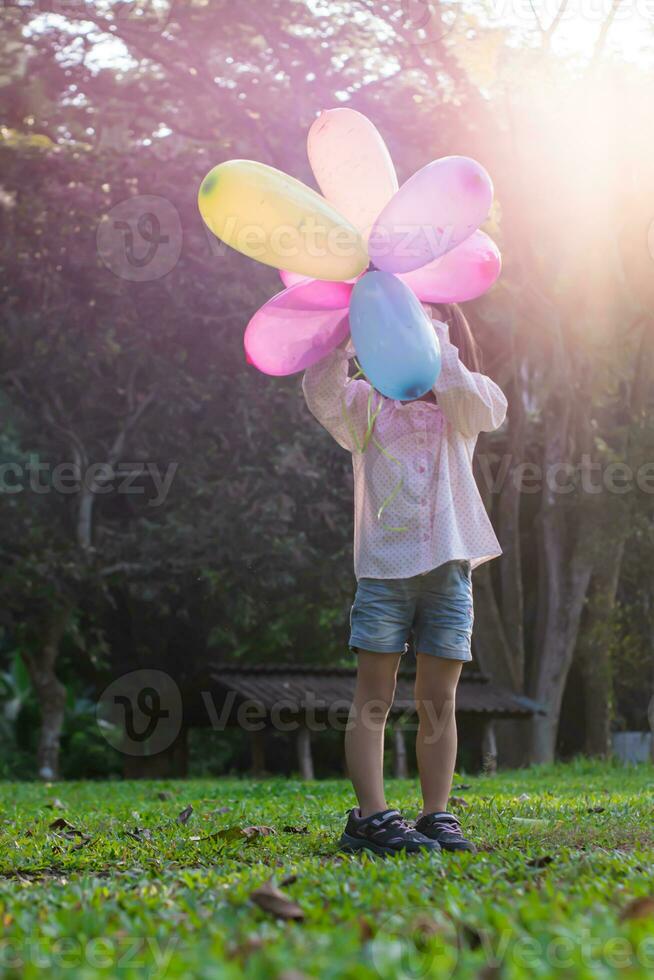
{"x": 371, "y": 418}
{"x": 394, "y": 492}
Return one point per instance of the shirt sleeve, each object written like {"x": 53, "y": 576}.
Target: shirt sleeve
{"x": 470, "y": 401}
{"x": 337, "y": 401}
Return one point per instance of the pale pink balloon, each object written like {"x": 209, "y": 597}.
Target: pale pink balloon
{"x": 352, "y": 165}
{"x": 298, "y": 327}
{"x": 437, "y": 209}
{"x": 462, "y": 274}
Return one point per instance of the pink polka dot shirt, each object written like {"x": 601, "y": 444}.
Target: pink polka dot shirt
{"x": 417, "y": 467}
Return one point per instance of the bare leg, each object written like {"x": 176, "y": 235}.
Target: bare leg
{"x": 364, "y": 736}
{"x": 436, "y": 742}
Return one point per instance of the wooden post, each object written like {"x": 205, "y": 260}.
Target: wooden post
{"x": 304, "y": 757}
{"x": 400, "y": 765}
{"x": 258, "y": 750}
{"x": 489, "y": 748}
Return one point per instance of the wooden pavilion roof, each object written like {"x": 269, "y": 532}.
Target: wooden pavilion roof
{"x": 298, "y": 688}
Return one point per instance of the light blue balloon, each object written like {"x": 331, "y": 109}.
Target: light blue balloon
{"x": 395, "y": 341}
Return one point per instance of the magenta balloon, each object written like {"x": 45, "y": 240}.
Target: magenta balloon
{"x": 437, "y": 209}
{"x": 464, "y": 273}
{"x": 293, "y": 278}
{"x": 298, "y": 327}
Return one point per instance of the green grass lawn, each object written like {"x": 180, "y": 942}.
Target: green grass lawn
{"x": 562, "y": 885}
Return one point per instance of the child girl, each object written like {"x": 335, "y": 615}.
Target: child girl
{"x": 420, "y": 527}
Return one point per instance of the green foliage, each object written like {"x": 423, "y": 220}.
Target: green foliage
{"x": 121, "y": 887}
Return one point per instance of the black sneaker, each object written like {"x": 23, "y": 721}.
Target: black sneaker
{"x": 383, "y": 833}
{"x": 446, "y": 829}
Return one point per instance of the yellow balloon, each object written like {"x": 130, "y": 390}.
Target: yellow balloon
{"x": 278, "y": 220}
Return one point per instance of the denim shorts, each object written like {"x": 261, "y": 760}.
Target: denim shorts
{"x": 437, "y": 607}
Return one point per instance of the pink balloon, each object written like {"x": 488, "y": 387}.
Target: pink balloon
{"x": 462, "y": 274}
{"x": 437, "y": 209}
{"x": 298, "y": 327}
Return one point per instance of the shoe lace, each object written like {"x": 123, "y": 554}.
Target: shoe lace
{"x": 447, "y": 822}
{"x": 396, "y": 821}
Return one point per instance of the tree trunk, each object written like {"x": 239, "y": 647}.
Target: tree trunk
{"x": 304, "y": 757}
{"x": 498, "y": 638}
{"x": 400, "y": 764}
{"x": 489, "y": 748}
{"x": 565, "y": 561}
{"x": 564, "y": 603}
{"x": 50, "y": 694}
{"x": 594, "y": 651}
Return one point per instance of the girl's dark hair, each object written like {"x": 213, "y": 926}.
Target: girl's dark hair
{"x": 460, "y": 334}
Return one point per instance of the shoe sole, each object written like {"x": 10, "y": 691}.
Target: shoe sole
{"x": 353, "y": 845}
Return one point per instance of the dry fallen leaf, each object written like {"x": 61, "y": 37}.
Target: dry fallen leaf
{"x": 638, "y": 908}
{"x": 540, "y": 862}
{"x": 291, "y": 829}
{"x": 458, "y": 801}
{"x": 183, "y": 817}
{"x": 469, "y": 936}
{"x": 140, "y": 833}
{"x": 272, "y": 900}
{"x": 62, "y": 824}
{"x": 259, "y": 831}
{"x": 238, "y": 833}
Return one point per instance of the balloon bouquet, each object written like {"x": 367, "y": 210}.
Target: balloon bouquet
{"x": 361, "y": 259}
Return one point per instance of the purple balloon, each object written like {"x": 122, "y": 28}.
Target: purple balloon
{"x": 462, "y": 274}
{"x": 298, "y": 327}
{"x": 437, "y": 209}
